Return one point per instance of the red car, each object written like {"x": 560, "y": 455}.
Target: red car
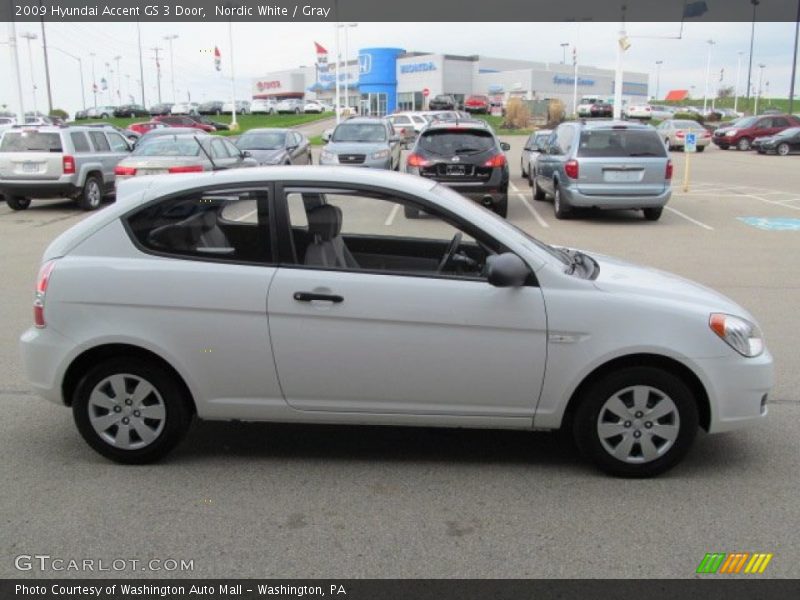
{"x": 142, "y": 128}
{"x": 478, "y": 104}
{"x": 184, "y": 121}
{"x": 741, "y": 133}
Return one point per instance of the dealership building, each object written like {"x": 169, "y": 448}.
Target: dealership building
{"x": 385, "y": 80}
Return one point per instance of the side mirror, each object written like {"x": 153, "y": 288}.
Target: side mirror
{"x": 505, "y": 146}
{"x": 326, "y": 135}
{"x": 246, "y": 154}
{"x": 507, "y": 270}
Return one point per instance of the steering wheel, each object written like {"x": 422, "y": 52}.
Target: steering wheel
{"x": 451, "y": 251}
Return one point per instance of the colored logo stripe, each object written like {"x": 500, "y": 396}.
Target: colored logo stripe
{"x": 711, "y": 562}
{"x": 758, "y": 563}
{"x": 733, "y": 563}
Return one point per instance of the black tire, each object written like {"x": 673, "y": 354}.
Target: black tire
{"x": 297, "y": 111}
{"x": 538, "y": 193}
{"x": 92, "y": 194}
{"x": 410, "y": 212}
{"x": 592, "y": 400}
{"x": 724, "y": 147}
{"x": 783, "y": 149}
{"x": 18, "y": 202}
{"x": 701, "y": 148}
{"x": 653, "y": 214}
{"x": 501, "y": 206}
{"x": 743, "y": 144}
{"x": 562, "y": 209}
{"x": 177, "y": 409}
{"x": 104, "y": 116}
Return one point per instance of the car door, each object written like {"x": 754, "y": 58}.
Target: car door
{"x": 547, "y": 162}
{"x": 104, "y": 155}
{"x": 387, "y": 334}
{"x": 222, "y": 157}
{"x": 120, "y": 149}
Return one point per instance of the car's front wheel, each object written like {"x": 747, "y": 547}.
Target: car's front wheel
{"x": 636, "y": 422}
{"x": 131, "y": 410}
{"x": 18, "y": 202}
{"x": 783, "y": 149}
{"x": 743, "y": 144}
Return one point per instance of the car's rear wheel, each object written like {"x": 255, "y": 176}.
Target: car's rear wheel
{"x": 636, "y": 422}
{"x": 743, "y": 144}
{"x": 18, "y": 202}
{"x": 131, "y": 410}
{"x": 92, "y": 194}
{"x": 538, "y": 192}
{"x": 723, "y": 147}
{"x": 501, "y": 206}
{"x": 700, "y": 148}
{"x": 560, "y": 207}
{"x": 653, "y": 214}
{"x": 783, "y": 149}
{"x": 410, "y": 212}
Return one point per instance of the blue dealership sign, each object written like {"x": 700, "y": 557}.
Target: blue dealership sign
{"x": 565, "y": 80}
{"x": 417, "y": 67}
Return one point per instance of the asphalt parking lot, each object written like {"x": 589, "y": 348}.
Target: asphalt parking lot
{"x": 256, "y": 500}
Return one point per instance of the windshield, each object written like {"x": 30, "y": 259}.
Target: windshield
{"x": 271, "y": 140}
{"x": 30, "y": 141}
{"x": 687, "y": 125}
{"x": 620, "y": 143}
{"x": 541, "y": 138}
{"x": 744, "y": 122}
{"x": 450, "y": 142}
{"x": 164, "y": 146}
{"x": 359, "y": 132}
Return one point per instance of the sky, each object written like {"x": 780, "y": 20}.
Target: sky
{"x": 260, "y": 48}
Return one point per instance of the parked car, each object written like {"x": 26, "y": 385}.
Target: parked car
{"x": 741, "y": 133}
{"x": 606, "y": 165}
{"x": 362, "y": 142}
{"x": 466, "y": 156}
{"x": 185, "y": 121}
{"x": 673, "y": 132}
{"x": 729, "y": 113}
{"x": 263, "y": 107}
{"x": 477, "y": 104}
{"x": 142, "y": 128}
{"x": 131, "y": 111}
{"x": 163, "y": 108}
{"x": 185, "y": 108}
{"x": 270, "y": 146}
{"x": 601, "y": 110}
{"x": 212, "y": 107}
{"x": 130, "y": 135}
{"x": 407, "y": 125}
{"x": 101, "y": 112}
{"x": 783, "y": 143}
{"x": 291, "y": 105}
{"x": 443, "y": 102}
{"x": 242, "y": 107}
{"x": 185, "y": 153}
{"x": 81, "y": 115}
{"x": 313, "y": 106}
{"x": 533, "y": 145}
{"x": 7, "y": 123}
{"x": 165, "y": 131}
{"x": 59, "y": 162}
{"x": 585, "y": 105}
{"x": 351, "y": 323}
{"x": 648, "y": 111}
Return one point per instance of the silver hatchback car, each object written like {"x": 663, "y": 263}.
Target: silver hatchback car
{"x": 604, "y": 164}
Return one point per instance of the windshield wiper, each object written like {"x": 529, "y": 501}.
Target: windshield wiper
{"x": 467, "y": 150}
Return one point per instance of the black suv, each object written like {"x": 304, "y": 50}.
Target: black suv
{"x": 466, "y": 156}
{"x": 131, "y": 110}
{"x": 213, "y": 107}
{"x": 443, "y": 102}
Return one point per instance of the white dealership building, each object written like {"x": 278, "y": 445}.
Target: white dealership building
{"x": 385, "y": 80}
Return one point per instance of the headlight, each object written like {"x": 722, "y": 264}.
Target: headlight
{"x": 740, "y": 334}
{"x": 328, "y": 156}
{"x": 731, "y": 133}
{"x": 381, "y": 154}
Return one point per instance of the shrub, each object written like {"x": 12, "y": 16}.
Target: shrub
{"x": 687, "y": 116}
{"x": 57, "y": 112}
{"x": 517, "y": 115}
{"x": 556, "y": 113}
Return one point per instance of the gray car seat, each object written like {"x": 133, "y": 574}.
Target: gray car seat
{"x": 327, "y": 247}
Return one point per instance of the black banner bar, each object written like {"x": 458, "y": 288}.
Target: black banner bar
{"x": 398, "y": 11}
{"x": 708, "y": 588}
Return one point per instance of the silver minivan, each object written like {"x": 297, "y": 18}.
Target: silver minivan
{"x": 606, "y": 165}
{"x": 59, "y": 162}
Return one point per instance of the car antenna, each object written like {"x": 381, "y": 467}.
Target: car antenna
{"x": 214, "y": 166}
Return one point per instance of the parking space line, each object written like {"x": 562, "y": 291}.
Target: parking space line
{"x": 771, "y": 201}
{"x": 392, "y": 215}
{"x": 690, "y": 219}
{"x": 533, "y": 211}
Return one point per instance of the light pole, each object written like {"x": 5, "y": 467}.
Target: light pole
{"x": 708, "y": 74}
{"x": 564, "y": 53}
{"x": 761, "y": 68}
{"x": 30, "y": 37}
{"x": 234, "y": 124}
{"x": 141, "y": 60}
{"x": 575, "y": 81}
{"x": 80, "y": 68}
{"x": 658, "y": 76}
{"x": 170, "y": 38}
{"x": 336, "y": 74}
{"x": 755, "y": 3}
{"x": 94, "y": 81}
{"x": 46, "y": 69}
{"x": 12, "y": 49}
{"x": 347, "y": 60}
{"x": 119, "y": 80}
{"x": 794, "y": 61}
{"x": 736, "y": 89}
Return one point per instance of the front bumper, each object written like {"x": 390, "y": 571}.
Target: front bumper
{"x": 575, "y": 198}
{"x": 369, "y": 163}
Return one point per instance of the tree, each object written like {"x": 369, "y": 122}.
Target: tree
{"x": 725, "y": 91}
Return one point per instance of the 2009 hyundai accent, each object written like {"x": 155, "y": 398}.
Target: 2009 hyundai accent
{"x": 302, "y": 294}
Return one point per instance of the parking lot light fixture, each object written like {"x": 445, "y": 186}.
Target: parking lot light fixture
{"x": 14, "y": 53}
{"x": 761, "y": 68}
{"x": 658, "y": 76}
{"x": 708, "y": 74}
{"x": 30, "y": 37}
{"x": 736, "y": 89}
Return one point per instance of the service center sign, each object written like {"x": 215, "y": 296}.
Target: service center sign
{"x": 267, "y": 86}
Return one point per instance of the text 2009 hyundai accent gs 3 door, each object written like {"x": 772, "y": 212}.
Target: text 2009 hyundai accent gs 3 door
{"x": 302, "y": 294}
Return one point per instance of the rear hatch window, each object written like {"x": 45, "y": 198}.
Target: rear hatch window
{"x": 601, "y": 143}
{"x": 454, "y": 142}
{"x": 30, "y": 141}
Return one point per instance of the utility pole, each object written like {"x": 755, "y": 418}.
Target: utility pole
{"x": 141, "y": 61}
{"x": 94, "y": 81}
{"x": 736, "y": 90}
{"x": 158, "y": 71}
{"x": 46, "y": 69}
{"x": 12, "y": 48}
{"x": 658, "y": 76}
{"x": 708, "y": 75}
{"x": 119, "y": 80}
{"x": 755, "y": 3}
{"x": 761, "y": 68}
{"x": 794, "y": 61}
{"x": 30, "y": 37}
{"x": 170, "y": 38}
{"x": 564, "y": 52}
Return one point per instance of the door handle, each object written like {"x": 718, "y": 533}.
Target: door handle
{"x": 310, "y": 297}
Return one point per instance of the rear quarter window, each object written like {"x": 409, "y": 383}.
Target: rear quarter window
{"x": 99, "y": 141}
{"x": 620, "y": 143}
{"x": 79, "y": 141}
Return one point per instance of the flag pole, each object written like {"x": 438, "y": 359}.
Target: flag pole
{"x": 234, "y": 124}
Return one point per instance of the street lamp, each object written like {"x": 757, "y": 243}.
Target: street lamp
{"x": 347, "y": 26}
{"x": 761, "y": 68}
{"x": 170, "y": 38}
{"x": 564, "y": 47}
{"x": 736, "y": 90}
{"x": 80, "y": 68}
{"x": 755, "y": 3}
{"x": 94, "y": 81}
{"x": 708, "y": 74}
{"x": 30, "y": 37}
{"x": 658, "y": 76}
{"x": 119, "y": 80}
